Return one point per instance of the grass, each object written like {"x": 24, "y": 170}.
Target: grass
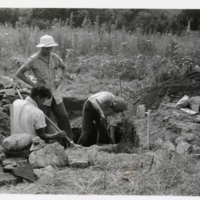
{"x": 88, "y": 48}
{"x": 120, "y": 174}
{"x": 95, "y": 60}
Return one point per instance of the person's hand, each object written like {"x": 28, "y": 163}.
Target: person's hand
{"x": 61, "y": 134}
{"x": 57, "y": 82}
{"x": 103, "y": 118}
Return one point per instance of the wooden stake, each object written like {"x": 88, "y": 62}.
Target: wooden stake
{"x": 120, "y": 84}
{"x": 18, "y": 92}
{"x": 148, "y": 129}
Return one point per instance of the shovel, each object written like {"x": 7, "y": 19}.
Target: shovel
{"x": 54, "y": 125}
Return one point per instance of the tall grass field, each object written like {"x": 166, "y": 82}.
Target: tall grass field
{"x": 91, "y": 49}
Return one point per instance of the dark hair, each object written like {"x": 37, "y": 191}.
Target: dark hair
{"x": 41, "y": 90}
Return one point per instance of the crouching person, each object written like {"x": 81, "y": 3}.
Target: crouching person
{"x": 28, "y": 118}
{"x": 96, "y": 108}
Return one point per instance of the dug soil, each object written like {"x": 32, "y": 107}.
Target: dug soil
{"x": 167, "y": 124}
{"x": 169, "y": 91}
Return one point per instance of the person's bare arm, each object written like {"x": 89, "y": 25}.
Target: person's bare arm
{"x": 21, "y": 75}
{"x": 97, "y": 107}
{"x": 64, "y": 70}
{"x": 40, "y": 132}
{"x": 112, "y": 134}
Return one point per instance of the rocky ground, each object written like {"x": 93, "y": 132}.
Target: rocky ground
{"x": 171, "y": 130}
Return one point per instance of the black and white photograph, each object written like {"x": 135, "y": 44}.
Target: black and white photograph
{"x": 99, "y": 99}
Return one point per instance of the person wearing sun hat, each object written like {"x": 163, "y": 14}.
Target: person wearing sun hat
{"x": 96, "y": 108}
{"x": 44, "y": 64}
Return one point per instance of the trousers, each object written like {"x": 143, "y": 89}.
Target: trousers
{"x": 61, "y": 117}
{"x": 89, "y": 136}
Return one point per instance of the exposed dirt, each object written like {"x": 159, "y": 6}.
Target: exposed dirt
{"x": 167, "y": 124}
{"x": 169, "y": 91}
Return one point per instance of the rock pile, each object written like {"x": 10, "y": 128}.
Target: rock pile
{"x": 171, "y": 129}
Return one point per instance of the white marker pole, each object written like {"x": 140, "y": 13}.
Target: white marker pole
{"x": 148, "y": 128}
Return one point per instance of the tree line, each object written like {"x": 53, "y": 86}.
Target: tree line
{"x": 145, "y": 20}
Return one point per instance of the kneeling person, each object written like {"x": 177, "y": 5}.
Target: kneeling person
{"x": 28, "y": 118}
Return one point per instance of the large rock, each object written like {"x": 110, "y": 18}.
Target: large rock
{"x": 141, "y": 111}
{"x": 17, "y": 142}
{"x": 37, "y": 144}
{"x": 47, "y": 172}
{"x": 51, "y": 154}
{"x": 13, "y": 161}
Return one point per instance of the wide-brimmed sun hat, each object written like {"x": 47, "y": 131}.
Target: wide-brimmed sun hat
{"x": 47, "y": 41}
{"x": 119, "y": 104}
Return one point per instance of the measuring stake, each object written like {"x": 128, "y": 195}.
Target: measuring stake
{"x": 120, "y": 84}
{"x": 148, "y": 128}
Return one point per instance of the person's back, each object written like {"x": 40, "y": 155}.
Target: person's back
{"x": 27, "y": 117}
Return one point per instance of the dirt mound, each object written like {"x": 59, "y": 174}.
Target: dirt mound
{"x": 171, "y": 91}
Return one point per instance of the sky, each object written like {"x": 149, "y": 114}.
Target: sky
{"x": 159, "y": 4}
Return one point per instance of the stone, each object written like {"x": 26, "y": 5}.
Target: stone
{"x": 25, "y": 171}
{"x": 5, "y": 101}
{"x": 196, "y": 149}
{"x": 7, "y": 178}
{"x": 158, "y": 142}
{"x": 47, "y": 171}
{"x": 8, "y": 168}
{"x": 79, "y": 164}
{"x": 17, "y": 142}
{"x": 197, "y": 119}
{"x": 167, "y": 145}
{"x": 194, "y": 103}
{"x": 10, "y": 92}
{"x": 168, "y": 105}
{"x": 166, "y": 119}
{"x": 183, "y": 148}
{"x": 190, "y": 137}
{"x": 13, "y": 161}
{"x": 141, "y": 111}
{"x": 23, "y": 153}
{"x": 51, "y": 154}
{"x": 179, "y": 140}
{"x": 37, "y": 144}
{"x": 92, "y": 154}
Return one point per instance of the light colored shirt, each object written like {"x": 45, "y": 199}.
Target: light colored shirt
{"x": 45, "y": 73}
{"x": 27, "y": 117}
{"x": 105, "y": 100}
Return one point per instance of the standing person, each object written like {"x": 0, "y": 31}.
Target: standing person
{"x": 44, "y": 64}
{"x": 96, "y": 108}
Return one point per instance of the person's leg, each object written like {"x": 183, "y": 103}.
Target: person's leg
{"x": 62, "y": 118}
{"x": 47, "y": 112}
{"x": 103, "y": 137}
{"x": 88, "y": 135}
{"x": 112, "y": 133}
